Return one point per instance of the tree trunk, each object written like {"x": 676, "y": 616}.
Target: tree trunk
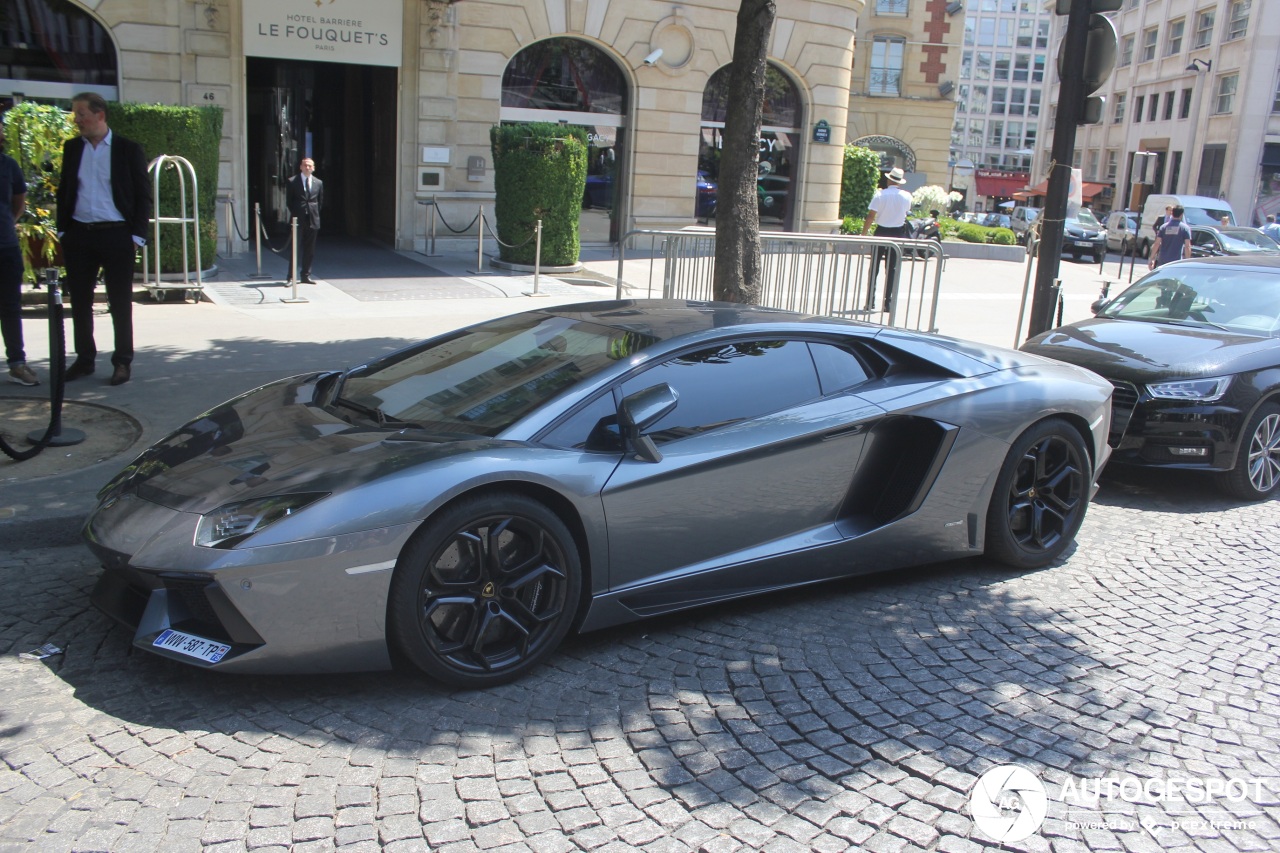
{"x": 737, "y": 275}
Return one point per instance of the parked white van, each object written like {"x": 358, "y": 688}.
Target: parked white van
{"x": 1020, "y": 221}
{"x": 1199, "y": 210}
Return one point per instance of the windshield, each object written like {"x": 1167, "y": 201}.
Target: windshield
{"x": 485, "y": 378}
{"x": 1206, "y": 216}
{"x": 1248, "y": 240}
{"x": 1087, "y": 219}
{"x": 1246, "y": 301}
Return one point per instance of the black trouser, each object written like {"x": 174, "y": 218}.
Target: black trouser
{"x": 108, "y": 247}
{"x": 890, "y": 261}
{"x": 11, "y": 304}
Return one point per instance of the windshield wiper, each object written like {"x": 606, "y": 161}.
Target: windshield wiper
{"x": 1191, "y": 321}
{"x": 378, "y": 416}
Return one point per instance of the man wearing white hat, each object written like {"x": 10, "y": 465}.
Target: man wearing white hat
{"x": 888, "y": 213}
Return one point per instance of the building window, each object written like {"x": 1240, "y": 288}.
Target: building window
{"x": 987, "y": 32}
{"x": 995, "y": 133}
{"x": 1238, "y": 21}
{"x": 1212, "y": 161}
{"x": 886, "y": 66}
{"x": 1042, "y": 35}
{"x": 1204, "y": 29}
{"x": 998, "y": 95}
{"x": 1168, "y": 106}
{"x": 1113, "y": 164}
{"x": 1226, "y": 95}
{"x": 977, "y": 127}
{"x": 966, "y": 65}
{"x": 1149, "y": 39}
{"x": 1137, "y": 108}
{"x": 891, "y": 7}
{"x": 1126, "y": 51}
{"x": 1018, "y": 101}
{"x": 1013, "y": 134}
{"x": 1175, "y": 171}
{"x": 1092, "y": 173}
{"x": 1026, "y": 33}
{"x": 1184, "y": 109}
{"x": 1173, "y": 37}
{"x": 982, "y": 65}
{"x": 1037, "y": 69}
{"x": 962, "y": 98}
{"x": 979, "y": 102}
{"x": 1004, "y": 36}
{"x": 1033, "y": 104}
{"x": 1002, "y": 68}
{"x": 1153, "y": 112}
{"x": 1118, "y": 116}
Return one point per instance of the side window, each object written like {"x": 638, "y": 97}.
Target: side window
{"x": 838, "y": 368}
{"x": 594, "y": 427}
{"x": 730, "y": 383}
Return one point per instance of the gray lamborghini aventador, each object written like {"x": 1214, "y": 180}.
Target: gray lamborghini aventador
{"x": 463, "y": 503}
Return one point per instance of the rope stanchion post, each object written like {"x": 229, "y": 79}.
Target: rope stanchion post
{"x": 293, "y": 263}
{"x": 257, "y": 239}
{"x": 480, "y": 241}
{"x": 537, "y": 259}
{"x": 55, "y": 435}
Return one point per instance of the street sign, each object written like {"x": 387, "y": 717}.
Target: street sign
{"x": 1099, "y": 54}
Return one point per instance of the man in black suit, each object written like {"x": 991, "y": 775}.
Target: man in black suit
{"x": 104, "y": 206}
{"x": 304, "y": 197}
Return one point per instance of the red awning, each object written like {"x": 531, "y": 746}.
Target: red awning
{"x": 998, "y": 187}
{"x": 1088, "y": 191}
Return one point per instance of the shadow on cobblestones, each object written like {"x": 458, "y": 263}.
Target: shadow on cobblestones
{"x": 855, "y": 714}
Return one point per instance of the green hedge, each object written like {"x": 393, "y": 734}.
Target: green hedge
{"x": 539, "y": 172}
{"x": 971, "y": 232}
{"x": 193, "y": 133}
{"x": 858, "y": 181}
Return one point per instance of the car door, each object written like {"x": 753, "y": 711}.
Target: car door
{"x": 756, "y": 460}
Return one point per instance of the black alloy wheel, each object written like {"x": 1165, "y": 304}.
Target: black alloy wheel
{"x": 1256, "y": 474}
{"x": 1041, "y": 496}
{"x": 485, "y": 591}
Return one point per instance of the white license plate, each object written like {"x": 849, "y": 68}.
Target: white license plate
{"x": 191, "y": 646}
{"x": 1084, "y": 244}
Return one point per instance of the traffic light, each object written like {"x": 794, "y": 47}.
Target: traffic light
{"x": 1093, "y": 108}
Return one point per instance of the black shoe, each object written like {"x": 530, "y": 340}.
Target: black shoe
{"x": 79, "y": 369}
{"x": 306, "y": 279}
{"x": 120, "y": 375}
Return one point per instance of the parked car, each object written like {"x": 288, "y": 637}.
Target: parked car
{"x": 1193, "y": 350}
{"x": 1197, "y": 210}
{"x": 1208, "y": 242}
{"x": 467, "y": 501}
{"x": 1122, "y": 227}
{"x": 1021, "y": 220}
{"x": 1083, "y": 234}
{"x": 997, "y": 220}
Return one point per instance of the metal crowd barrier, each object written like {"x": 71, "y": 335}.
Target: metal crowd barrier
{"x": 835, "y": 276}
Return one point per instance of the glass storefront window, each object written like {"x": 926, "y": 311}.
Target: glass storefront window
{"x": 779, "y": 148}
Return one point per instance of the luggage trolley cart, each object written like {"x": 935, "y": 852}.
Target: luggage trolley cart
{"x": 157, "y": 287}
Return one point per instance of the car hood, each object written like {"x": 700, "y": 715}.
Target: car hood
{"x": 1139, "y": 351}
{"x": 274, "y": 441}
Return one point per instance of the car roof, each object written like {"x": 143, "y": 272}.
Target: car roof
{"x": 1270, "y": 262}
{"x": 667, "y": 319}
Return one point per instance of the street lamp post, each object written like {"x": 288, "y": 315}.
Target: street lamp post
{"x": 1193, "y": 162}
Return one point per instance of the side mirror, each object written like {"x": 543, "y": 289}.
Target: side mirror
{"x": 642, "y": 410}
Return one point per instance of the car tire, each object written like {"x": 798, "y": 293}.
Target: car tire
{"x": 1040, "y": 498}
{"x": 1256, "y": 474}
{"x": 485, "y": 590}
{"x": 1099, "y": 256}
{"x": 1146, "y": 249}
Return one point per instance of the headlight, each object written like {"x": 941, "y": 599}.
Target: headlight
{"x": 1200, "y": 390}
{"x": 229, "y": 525}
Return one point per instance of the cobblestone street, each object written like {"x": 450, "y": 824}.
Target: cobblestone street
{"x": 856, "y": 715}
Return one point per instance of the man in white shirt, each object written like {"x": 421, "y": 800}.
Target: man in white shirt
{"x": 888, "y": 213}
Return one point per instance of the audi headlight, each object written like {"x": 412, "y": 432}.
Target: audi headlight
{"x": 229, "y": 525}
{"x": 1200, "y": 390}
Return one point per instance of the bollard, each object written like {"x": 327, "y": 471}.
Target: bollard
{"x": 480, "y": 241}
{"x": 537, "y": 258}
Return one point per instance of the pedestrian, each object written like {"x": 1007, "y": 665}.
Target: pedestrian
{"x": 888, "y": 213}
{"x": 304, "y": 198}
{"x": 104, "y": 206}
{"x": 1226, "y": 221}
{"x": 13, "y": 187}
{"x": 1272, "y": 228}
{"x": 1173, "y": 241}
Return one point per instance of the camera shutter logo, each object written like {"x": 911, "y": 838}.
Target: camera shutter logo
{"x": 1008, "y": 803}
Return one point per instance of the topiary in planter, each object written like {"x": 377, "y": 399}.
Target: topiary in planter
{"x": 539, "y": 172}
